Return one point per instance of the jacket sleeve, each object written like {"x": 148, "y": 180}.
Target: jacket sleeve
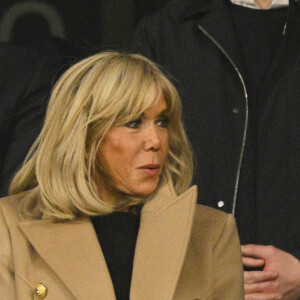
{"x": 228, "y": 279}
{"x": 7, "y": 281}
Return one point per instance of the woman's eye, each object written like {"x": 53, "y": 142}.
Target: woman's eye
{"x": 163, "y": 122}
{"x": 133, "y": 124}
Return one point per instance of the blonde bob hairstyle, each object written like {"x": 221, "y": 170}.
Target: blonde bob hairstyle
{"x": 90, "y": 98}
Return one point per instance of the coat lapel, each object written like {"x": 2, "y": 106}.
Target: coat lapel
{"x": 165, "y": 229}
{"x": 72, "y": 251}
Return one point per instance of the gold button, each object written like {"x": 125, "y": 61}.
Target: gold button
{"x": 40, "y": 291}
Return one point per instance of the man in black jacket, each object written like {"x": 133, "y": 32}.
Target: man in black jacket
{"x": 25, "y": 83}
{"x": 237, "y": 68}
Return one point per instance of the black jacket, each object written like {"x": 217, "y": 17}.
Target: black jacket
{"x": 25, "y": 82}
{"x": 195, "y": 41}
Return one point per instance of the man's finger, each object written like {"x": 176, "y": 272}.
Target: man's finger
{"x": 259, "y": 276}
{"x": 257, "y": 250}
{"x": 253, "y": 262}
{"x": 264, "y": 297}
{"x": 261, "y": 287}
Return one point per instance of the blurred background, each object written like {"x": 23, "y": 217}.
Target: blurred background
{"x": 70, "y": 29}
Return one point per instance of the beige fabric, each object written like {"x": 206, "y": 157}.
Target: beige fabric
{"x": 183, "y": 251}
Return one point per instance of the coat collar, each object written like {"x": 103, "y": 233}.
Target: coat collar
{"x": 72, "y": 250}
{"x": 165, "y": 228}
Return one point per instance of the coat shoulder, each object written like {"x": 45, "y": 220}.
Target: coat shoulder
{"x": 209, "y": 214}
{"x": 211, "y": 222}
{"x": 10, "y": 207}
{"x": 11, "y": 203}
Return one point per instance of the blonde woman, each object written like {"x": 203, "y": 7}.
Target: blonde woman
{"x": 102, "y": 208}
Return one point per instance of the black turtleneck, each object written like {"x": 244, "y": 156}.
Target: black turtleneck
{"x": 117, "y": 234}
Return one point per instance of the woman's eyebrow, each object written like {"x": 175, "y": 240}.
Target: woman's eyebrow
{"x": 164, "y": 112}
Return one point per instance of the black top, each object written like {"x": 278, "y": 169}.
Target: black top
{"x": 117, "y": 234}
{"x": 259, "y": 35}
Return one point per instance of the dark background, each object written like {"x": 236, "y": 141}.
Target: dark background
{"x": 70, "y": 29}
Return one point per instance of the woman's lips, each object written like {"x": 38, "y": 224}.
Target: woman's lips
{"x": 151, "y": 169}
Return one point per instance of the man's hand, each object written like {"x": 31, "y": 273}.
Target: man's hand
{"x": 280, "y": 278}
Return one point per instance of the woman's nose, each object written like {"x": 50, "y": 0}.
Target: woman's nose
{"x": 152, "y": 139}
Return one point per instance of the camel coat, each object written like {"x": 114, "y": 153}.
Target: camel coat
{"x": 184, "y": 251}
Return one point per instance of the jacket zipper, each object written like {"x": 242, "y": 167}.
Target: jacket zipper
{"x": 246, "y": 116}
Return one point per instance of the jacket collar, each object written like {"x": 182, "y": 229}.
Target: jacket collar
{"x": 211, "y": 15}
{"x": 72, "y": 251}
{"x": 197, "y": 7}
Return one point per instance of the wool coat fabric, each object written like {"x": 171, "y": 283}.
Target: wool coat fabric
{"x": 195, "y": 41}
{"x": 184, "y": 251}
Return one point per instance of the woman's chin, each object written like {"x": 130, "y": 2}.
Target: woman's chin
{"x": 146, "y": 191}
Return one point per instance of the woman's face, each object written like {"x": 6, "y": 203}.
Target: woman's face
{"x": 132, "y": 155}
